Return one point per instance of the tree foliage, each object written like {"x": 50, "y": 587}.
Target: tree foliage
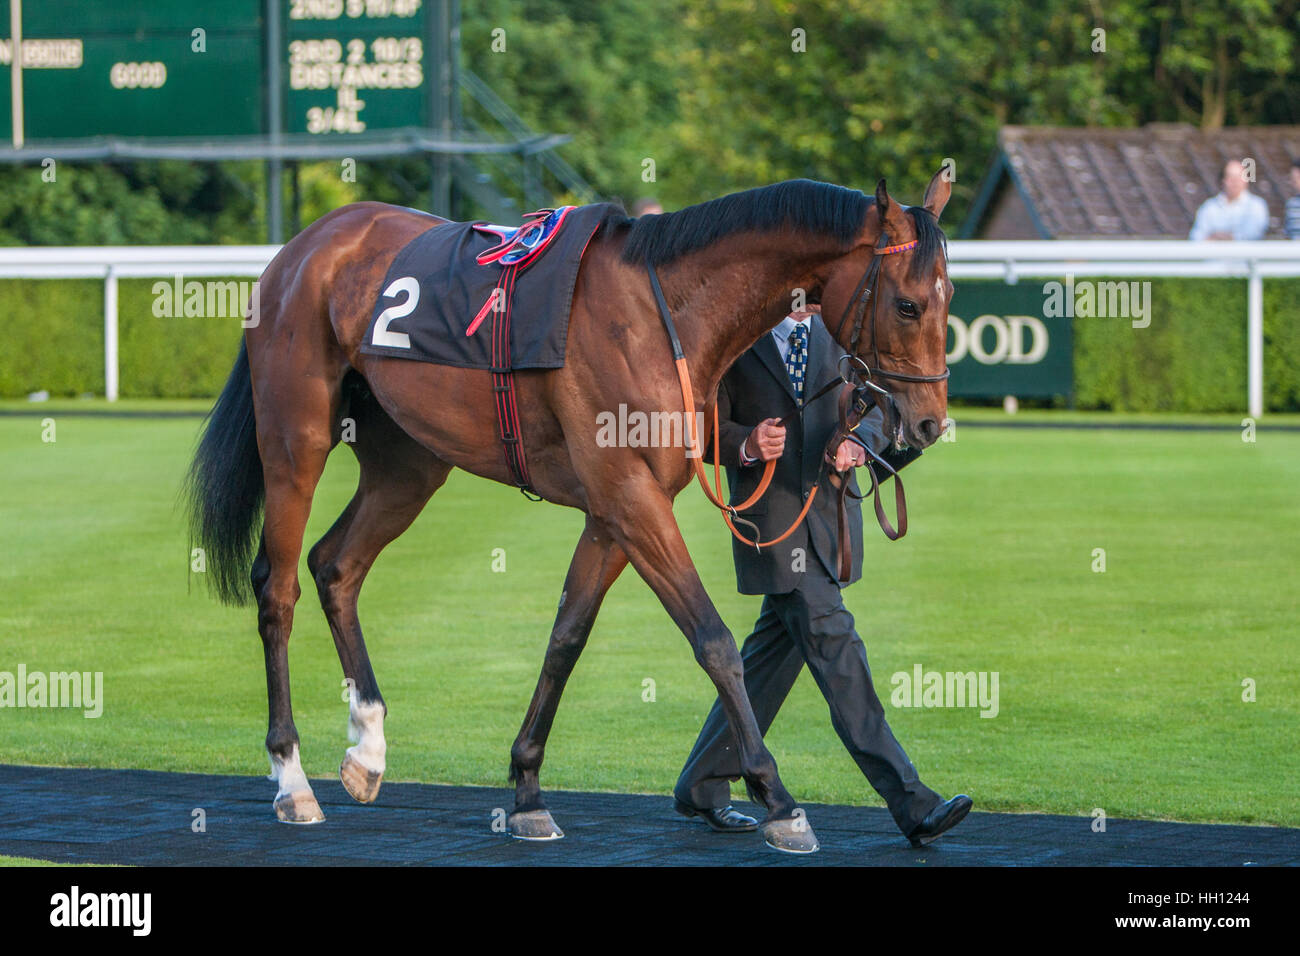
{"x": 718, "y": 95}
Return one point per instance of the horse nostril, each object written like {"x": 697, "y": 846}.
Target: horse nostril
{"x": 929, "y": 429}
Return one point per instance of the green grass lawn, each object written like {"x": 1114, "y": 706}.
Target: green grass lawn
{"x": 1120, "y": 690}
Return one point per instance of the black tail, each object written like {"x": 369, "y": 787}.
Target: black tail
{"x": 224, "y": 489}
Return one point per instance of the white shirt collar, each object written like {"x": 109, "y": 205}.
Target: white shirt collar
{"x": 786, "y": 326}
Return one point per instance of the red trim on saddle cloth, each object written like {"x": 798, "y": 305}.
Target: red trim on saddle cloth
{"x": 511, "y": 241}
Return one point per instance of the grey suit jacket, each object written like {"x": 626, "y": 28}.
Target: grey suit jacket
{"x": 758, "y": 387}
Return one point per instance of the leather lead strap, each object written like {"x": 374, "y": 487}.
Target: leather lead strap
{"x": 695, "y": 442}
{"x": 665, "y": 313}
{"x": 851, "y": 411}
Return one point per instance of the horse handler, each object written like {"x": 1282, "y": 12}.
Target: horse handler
{"x": 803, "y": 618}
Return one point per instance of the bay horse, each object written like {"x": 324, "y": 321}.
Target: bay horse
{"x": 728, "y": 268}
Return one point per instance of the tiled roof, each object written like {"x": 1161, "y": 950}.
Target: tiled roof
{"x": 1140, "y": 183}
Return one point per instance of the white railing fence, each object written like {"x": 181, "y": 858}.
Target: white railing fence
{"x": 111, "y": 263}
{"x": 968, "y": 259}
{"x": 1252, "y": 261}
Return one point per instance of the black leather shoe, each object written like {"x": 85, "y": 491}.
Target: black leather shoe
{"x": 724, "y": 820}
{"x": 941, "y": 819}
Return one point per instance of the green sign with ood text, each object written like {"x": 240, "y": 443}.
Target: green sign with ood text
{"x": 1007, "y": 340}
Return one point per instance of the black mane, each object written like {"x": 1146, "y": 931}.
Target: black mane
{"x": 798, "y": 203}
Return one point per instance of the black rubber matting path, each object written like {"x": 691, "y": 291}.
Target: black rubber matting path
{"x": 145, "y": 817}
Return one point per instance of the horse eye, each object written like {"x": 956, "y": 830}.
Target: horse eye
{"x": 907, "y": 309}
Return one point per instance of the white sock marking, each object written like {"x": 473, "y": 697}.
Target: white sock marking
{"x": 288, "y": 773}
{"x": 366, "y": 727}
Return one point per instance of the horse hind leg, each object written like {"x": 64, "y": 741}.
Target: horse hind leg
{"x": 275, "y": 583}
{"x": 398, "y": 476}
{"x": 294, "y": 438}
{"x": 363, "y": 765}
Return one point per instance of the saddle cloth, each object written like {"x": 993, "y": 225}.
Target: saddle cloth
{"x": 442, "y": 286}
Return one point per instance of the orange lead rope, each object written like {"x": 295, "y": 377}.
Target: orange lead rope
{"x": 714, "y": 494}
{"x": 696, "y": 446}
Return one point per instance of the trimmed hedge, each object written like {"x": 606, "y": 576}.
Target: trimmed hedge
{"x": 1192, "y": 358}
{"x": 171, "y": 357}
{"x": 1282, "y": 345}
{"x": 53, "y": 335}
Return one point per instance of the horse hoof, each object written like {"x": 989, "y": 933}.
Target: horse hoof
{"x": 298, "y": 807}
{"x": 790, "y": 836}
{"x": 361, "y": 783}
{"x": 533, "y": 825}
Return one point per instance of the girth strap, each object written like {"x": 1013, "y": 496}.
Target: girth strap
{"x": 515, "y": 251}
{"x": 503, "y": 382}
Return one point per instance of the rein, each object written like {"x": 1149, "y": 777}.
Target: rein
{"x": 855, "y": 400}
{"x": 729, "y": 512}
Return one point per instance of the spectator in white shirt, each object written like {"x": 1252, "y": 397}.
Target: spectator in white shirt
{"x": 1235, "y": 213}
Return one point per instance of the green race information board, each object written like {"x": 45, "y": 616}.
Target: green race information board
{"x": 129, "y": 69}
{"x": 138, "y": 68}
{"x": 355, "y": 65}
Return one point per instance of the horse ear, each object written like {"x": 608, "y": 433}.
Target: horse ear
{"x": 937, "y": 193}
{"x": 891, "y": 213}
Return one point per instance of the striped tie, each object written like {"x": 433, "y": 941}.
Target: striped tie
{"x": 796, "y": 360}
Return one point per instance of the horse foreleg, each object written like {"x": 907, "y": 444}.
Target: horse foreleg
{"x": 597, "y": 563}
{"x": 641, "y": 517}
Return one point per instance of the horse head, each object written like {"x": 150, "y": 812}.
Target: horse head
{"x": 886, "y": 303}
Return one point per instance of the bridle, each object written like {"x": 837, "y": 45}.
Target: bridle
{"x": 866, "y": 290}
{"x": 862, "y": 374}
